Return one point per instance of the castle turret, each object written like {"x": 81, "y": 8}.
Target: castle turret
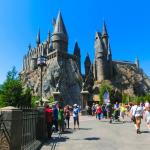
{"x": 137, "y": 63}
{"x": 109, "y": 57}
{"x": 105, "y": 35}
{"x": 48, "y": 37}
{"x": 38, "y": 39}
{"x": 78, "y": 56}
{"x": 60, "y": 36}
{"x": 100, "y": 58}
{"x": 87, "y": 64}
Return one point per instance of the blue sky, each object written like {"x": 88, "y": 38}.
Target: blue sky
{"x": 128, "y": 25}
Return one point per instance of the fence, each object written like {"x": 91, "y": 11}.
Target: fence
{"x": 4, "y": 135}
{"x": 23, "y": 128}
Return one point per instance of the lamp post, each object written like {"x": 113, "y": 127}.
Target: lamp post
{"x": 41, "y": 62}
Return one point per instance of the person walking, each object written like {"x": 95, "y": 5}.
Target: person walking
{"x": 67, "y": 115}
{"x": 137, "y": 115}
{"x": 76, "y": 116}
{"x": 122, "y": 111}
{"x": 55, "y": 117}
{"x": 116, "y": 111}
{"x": 147, "y": 116}
{"x": 49, "y": 119}
{"x": 60, "y": 119}
{"x": 109, "y": 109}
{"x": 99, "y": 112}
{"x": 93, "y": 109}
{"x": 104, "y": 112}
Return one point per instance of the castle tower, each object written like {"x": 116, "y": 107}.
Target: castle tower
{"x": 109, "y": 58}
{"x": 60, "y": 36}
{"x": 38, "y": 39}
{"x": 137, "y": 63}
{"x": 87, "y": 64}
{"x": 48, "y": 37}
{"x": 105, "y": 36}
{"x": 78, "y": 56}
{"x": 100, "y": 58}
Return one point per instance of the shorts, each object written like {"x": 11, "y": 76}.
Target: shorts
{"x": 148, "y": 121}
{"x": 76, "y": 120}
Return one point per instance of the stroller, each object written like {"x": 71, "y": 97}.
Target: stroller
{"x": 115, "y": 115}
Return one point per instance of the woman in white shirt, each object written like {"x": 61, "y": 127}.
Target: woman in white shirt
{"x": 137, "y": 112}
{"x": 147, "y": 117}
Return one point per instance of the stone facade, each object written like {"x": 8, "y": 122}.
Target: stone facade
{"x": 63, "y": 70}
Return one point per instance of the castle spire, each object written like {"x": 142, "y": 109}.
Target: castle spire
{"x": 104, "y": 30}
{"x": 77, "y": 49}
{"x": 59, "y": 26}
{"x": 59, "y": 35}
{"x": 87, "y": 64}
{"x": 38, "y": 40}
{"x": 49, "y": 36}
{"x": 78, "y": 55}
{"x": 105, "y": 36}
{"x": 99, "y": 45}
{"x": 137, "y": 62}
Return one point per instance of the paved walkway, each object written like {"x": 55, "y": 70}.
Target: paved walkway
{"x": 96, "y": 135}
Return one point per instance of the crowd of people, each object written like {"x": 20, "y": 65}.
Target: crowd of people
{"x": 117, "y": 112}
{"x": 58, "y": 118}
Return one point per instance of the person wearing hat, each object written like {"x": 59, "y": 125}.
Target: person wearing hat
{"x": 76, "y": 116}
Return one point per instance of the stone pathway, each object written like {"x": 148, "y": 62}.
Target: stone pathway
{"x": 95, "y": 135}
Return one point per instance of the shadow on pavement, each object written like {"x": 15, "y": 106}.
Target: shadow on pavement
{"x": 85, "y": 128}
{"x": 145, "y": 131}
{"x": 67, "y": 132}
{"x": 92, "y": 138}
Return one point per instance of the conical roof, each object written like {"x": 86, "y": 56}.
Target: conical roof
{"x": 48, "y": 37}
{"x": 38, "y": 39}
{"x": 99, "y": 46}
{"x": 76, "y": 49}
{"x": 87, "y": 60}
{"x": 104, "y": 30}
{"x": 59, "y": 26}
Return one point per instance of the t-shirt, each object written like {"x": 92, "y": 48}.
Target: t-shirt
{"x": 49, "y": 115}
{"x": 123, "y": 109}
{"x": 137, "y": 111}
{"x": 147, "y": 115}
{"x": 75, "y": 112}
{"x": 60, "y": 115}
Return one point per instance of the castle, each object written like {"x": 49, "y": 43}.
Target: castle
{"x": 64, "y": 69}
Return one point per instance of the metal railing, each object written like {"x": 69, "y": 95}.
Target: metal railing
{"x": 4, "y": 135}
{"x": 29, "y": 128}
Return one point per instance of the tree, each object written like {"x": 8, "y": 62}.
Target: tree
{"x": 11, "y": 92}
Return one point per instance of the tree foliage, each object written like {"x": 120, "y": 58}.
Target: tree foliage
{"x": 12, "y": 93}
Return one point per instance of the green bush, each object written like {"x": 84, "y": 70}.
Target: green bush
{"x": 34, "y": 100}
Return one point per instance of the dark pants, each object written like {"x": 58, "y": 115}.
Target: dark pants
{"x": 67, "y": 121}
{"x": 55, "y": 122}
{"x": 76, "y": 120}
{"x": 99, "y": 116}
{"x": 49, "y": 129}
